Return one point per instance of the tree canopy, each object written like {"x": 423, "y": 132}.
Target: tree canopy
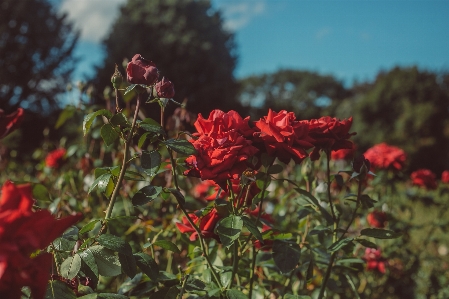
{"x": 36, "y": 61}
{"x": 186, "y": 41}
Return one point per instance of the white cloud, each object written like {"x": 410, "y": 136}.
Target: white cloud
{"x": 322, "y": 33}
{"x": 239, "y": 14}
{"x": 92, "y": 17}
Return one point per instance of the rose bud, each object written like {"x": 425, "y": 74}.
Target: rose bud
{"x": 141, "y": 71}
{"x": 165, "y": 88}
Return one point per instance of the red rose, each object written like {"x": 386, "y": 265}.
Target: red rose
{"x": 330, "y": 134}
{"x": 55, "y": 158}
{"x": 222, "y": 149}
{"x": 374, "y": 260}
{"x": 445, "y": 177}
{"x": 377, "y": 219}
{"x": 284, "y": 137}
{"x": 165, "y": 88}
{"x": 10, "y": 122}
{"x": 424, "y": 178}
{"x": 141, "y": 71}
{"x": 205, "y": 223}
{"x": 343, "y": 154}
{"x": 23, "y": 232}
{"x": 384, "y": 156}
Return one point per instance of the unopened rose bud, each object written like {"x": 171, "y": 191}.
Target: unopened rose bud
{"x": 116, "y": 78}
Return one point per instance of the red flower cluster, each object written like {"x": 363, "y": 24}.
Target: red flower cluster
{"x": 284, "y": 137}
{"x": 384, "y": 156}
{"x": 10, "y": 122}
{"x": 424, "y": 178}
{"x": 205, "y": 223}
{"x": 329, "y": 134}
{"x": 377, "y": 219}
{"x": 374, "y": 260}
{"x": 55, "y": 158}
{"x": 445, "y": 177}
{"x": 22, "y": 232}
{"x": 141, "y": 71}
{"x": 222, "y": 146}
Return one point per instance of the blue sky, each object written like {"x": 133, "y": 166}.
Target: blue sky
{"x": 352, "y": 40}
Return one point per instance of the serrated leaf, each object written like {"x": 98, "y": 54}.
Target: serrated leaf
{"x": 90, "y": 118}
{"x": 252, "y": 228}
{"x": 88, "y": 259}
{"x": 108, "y": 134}
{"x": 107, "y": 262}
{"x": 340, "y": 244}
{"x": 88, "y": 227}
{"x": 181, "y": 146}
{"x": 151, "y": 162}
{"x": 286, "y": 255}
{"x": 152, "y": 128}
{"x": 130, "y": 88}
{"x": 71, "y": 266}
{"x": 102, "y": 182}
{"x": 146, "y": 195}
{"x": 380, "y": 233}
{"x": 59, "y": 290}
{"x": 235, "y": 294}
{"x": 229, "y": 229}
{"x": 225, "y": 278}
{"x": 167, "y": 245}
{"x": 115, "y": 243}
{"x": 147, "y": 264}
{"x": 128, "y": 263}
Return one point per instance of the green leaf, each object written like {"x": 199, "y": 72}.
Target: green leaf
{"x": 130, "y": 88}
{"x": 193, "y": 284}
{"x": 59, "y": 290}
{"x": 107, "y": 262}
{"x": 366, "y": 243}
{"x": 102, "y": 182}
{"x": 88, "y": 259}
{"x": 128, "y": 263}
{"x": 172, "y": 293}
{"x": 108, "y": 134}
{"x": 90, "y": 118}
{"x": 304, "y": 211}
{"x": 181, "y": 146}
{"x": 151, "y": 162}
{"x": 252, "y": 228}
{"x": 67, "y": 113}
{"x": 119, "y": 120}
{"x": 147, "y": 265}
{"x": 309, "y": 274}
{"x": 379, "y": 233}
{"x": 367, "y": 201}
{"x": 229, "y": 229}
{"x": 289, "y": 296}
{"x": 115, "y": 243}
{"x": 286, "y": 255}
{"x": 319, "y": 229}
{"x": 167, "y": 245}
{"x": 142, "y": 139}
{"x": 339, "y": 244}
{"x": 350, "y": 261}
{"x": 274, "y": 169}
{"x": 314, "y": 201}
{"x": 178, "y": 195}
{"x": 152, "y": 128}
{"x": 235, "y": 294}
{"x": 225, "y": 278}
{"x": 103, "y": 296}
{"x": 40, "y": 192}
{"x": 146, "y": 195}
{"x": 71, "y": 266}
{"x": 88, "y": 227}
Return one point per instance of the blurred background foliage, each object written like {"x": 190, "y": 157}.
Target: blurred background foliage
{"x": 404, "y": 106}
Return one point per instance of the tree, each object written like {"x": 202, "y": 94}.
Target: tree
{"x": 35, "y": 49}
{"x": 186, "y": 41}
{"x": 408, "y": 108}
{"x": 308, "y": 94}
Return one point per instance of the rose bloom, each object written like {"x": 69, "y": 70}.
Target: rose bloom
{"x": 55, "y": 158}
{"x": 343, "y": 154}
{"x": 374, "y": 260}
{"x": 445, "y": 177}
{"x": 22, "y": 233}
{"x": 222, "y": 149}
{"x": 424, "y": 178}
{"x": 330, "y": 134}
{"x": 10, "y": 122}
{"x": 284, "y": 137}
{"x": 205, "y": 223}
{"x": 377, "y": 219}
{"x": 384, "y": 156}
{"x": 141, "y": 71}
{"x": 165, "y": 88}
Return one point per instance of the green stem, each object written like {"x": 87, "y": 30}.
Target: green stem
{"x": 354, "y": 213}
{"x": 253, "y": 265}
{"x": 327, "y": 275}
{"x": 235, "y": 262}
{"x": 124, "y": 164}
{"x": 328, "y": 156}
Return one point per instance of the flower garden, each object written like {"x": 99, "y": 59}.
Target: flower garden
{"x": 276, "y": 207}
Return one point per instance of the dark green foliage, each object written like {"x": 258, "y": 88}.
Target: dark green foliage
{"x": 186, "y": 41}
{"x": 36, "y": 46}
